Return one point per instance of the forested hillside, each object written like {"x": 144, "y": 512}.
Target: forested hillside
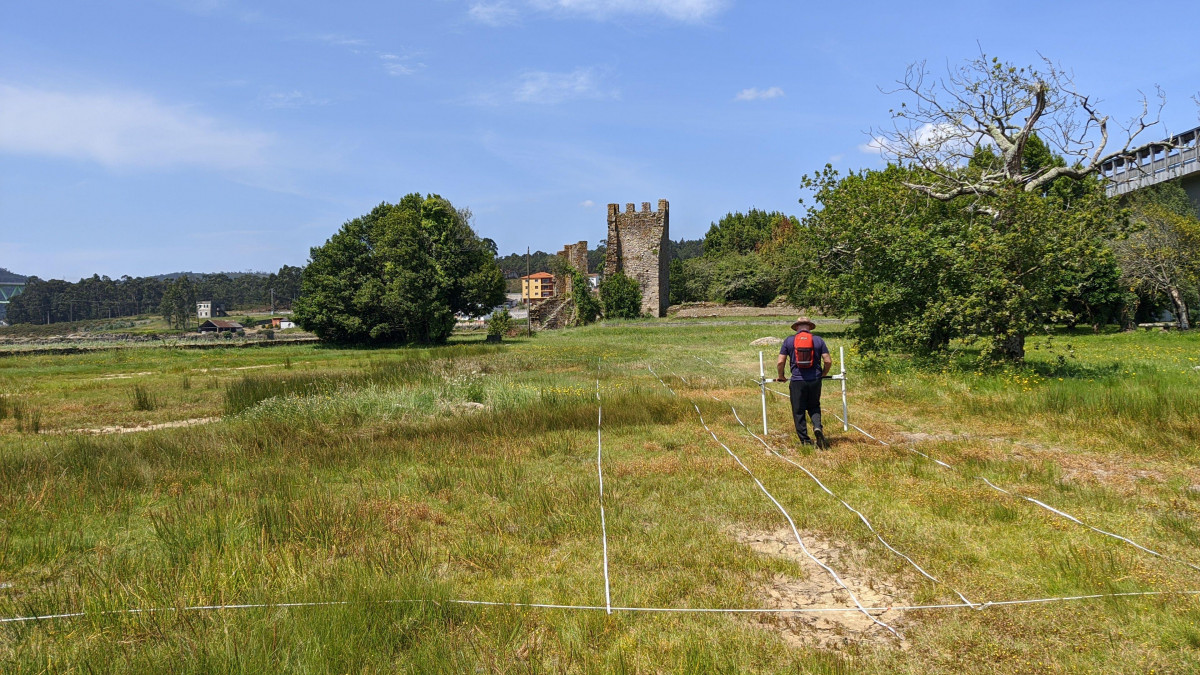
{"x": 97, "y": 297}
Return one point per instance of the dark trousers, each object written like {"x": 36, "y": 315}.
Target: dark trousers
{"x": 806, "y": 397}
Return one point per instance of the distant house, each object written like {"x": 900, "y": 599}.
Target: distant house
{"x": 537, "y": 286}
{"x": 207, "y": 309}
{"x": 279, "y": 323}
{"x": 594, "y": 280}
{"x": 220, "y": 326}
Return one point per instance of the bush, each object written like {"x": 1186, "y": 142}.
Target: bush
{"x": 621, "y": 297}
{"x": 587, "y": 307}
{"x": 500, "y": 322}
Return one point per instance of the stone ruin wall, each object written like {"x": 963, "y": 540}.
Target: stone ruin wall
{"x": 577, "y": 255}
{"x": 637, "y": 244}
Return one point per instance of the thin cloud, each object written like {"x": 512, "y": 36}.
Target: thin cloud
{"x": 587, "y": 203}
{"x": 690, "y": 11}
{"x": 549, "y": 88}
{"x": 397, "y": 65}
{"x": 122, "y": 130}
{"x": 291, "y": 99}
{"x": 756, "y": 94}
{"x": 493, "y": 13}
{"x": 339, "y": 40}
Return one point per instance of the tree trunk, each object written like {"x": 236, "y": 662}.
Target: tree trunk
{"x": 1181, "y": 308}
{"x": 1013, "y": 348}
{"x": 1129, "y": 315}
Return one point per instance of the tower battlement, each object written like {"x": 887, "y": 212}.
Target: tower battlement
{"x": 637, "y": 245}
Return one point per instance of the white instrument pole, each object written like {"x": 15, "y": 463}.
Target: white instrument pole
{"x": 845, "y": 408}
{"x": 762, "y": 382}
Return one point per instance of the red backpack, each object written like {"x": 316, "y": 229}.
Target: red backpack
{"x": 803, "y": 353}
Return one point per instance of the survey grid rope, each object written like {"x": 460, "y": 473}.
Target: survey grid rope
{"x": 853, "y": 510}
{"x": 1043, "y": 505}
{"x": 1051, "y": 509}
{"x": 833, "y": 575}
{"x": 650, "y": 610}
{"x": 600, "y": 475}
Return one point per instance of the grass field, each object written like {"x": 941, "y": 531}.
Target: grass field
{"x": 396, "y": 481}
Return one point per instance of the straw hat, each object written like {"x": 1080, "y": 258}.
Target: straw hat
{"x": 804, "y": 320}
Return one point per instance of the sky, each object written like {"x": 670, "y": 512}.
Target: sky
{"x": 146, "y": 137}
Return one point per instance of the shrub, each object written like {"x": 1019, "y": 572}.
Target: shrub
{"x": 621, "y": 297}
{"x": 500, "y": 322}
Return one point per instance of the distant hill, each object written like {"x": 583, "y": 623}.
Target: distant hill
{"x": 9, "y": 277}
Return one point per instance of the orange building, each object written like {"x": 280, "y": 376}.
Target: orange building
{"x": 537, "y": 286}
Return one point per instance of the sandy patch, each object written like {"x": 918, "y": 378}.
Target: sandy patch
{"x": 213, "y": 370}
{"x": 818, "y": 589}
{"x": 145, "y": 427}
{"x": 124, "y": 376}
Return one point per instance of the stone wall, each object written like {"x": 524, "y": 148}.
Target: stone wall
{"x": 577, "y": 256}
{"x": 637, "y": 244}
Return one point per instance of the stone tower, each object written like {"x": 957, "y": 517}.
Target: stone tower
{"x": 577, "y": 256}
{"x": 637, "y": 245}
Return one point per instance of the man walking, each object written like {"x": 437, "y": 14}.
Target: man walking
{"x": 810, "y": 362}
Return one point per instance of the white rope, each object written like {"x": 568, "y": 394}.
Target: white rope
{"x": 661, "y": 380}
{"x": 600, "y": 475}
{"x": 786, "y": 515}
{"x": 792, "y": 523}
{"x": 853, "y": 510}
{"x": 1041, "y": 504}
{"x": 535, "y": 605}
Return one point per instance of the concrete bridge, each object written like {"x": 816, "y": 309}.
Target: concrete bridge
{"x": 1153, "y": 163}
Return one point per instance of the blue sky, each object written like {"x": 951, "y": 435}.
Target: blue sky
{"x": 155, "y": 136}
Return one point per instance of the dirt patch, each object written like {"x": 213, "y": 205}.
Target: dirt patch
{"x": 818, "y": 589}
{"x": 145, "y": 427}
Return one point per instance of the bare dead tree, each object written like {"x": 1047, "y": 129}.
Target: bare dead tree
{"x": 986, "y": 102}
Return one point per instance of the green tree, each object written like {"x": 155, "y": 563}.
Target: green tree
{"x": 921, "y": 272}
{"x": 621, "y": 297}
{"x": 587, "y": 306}
{"x": 975, "y": 138}
{"x": 742, "y": 278}
{"x": 1161, "y": 257}
{"x": 398, "y": 274}
{"x": 741, "y": 232}
{"x": 179, "y": 303}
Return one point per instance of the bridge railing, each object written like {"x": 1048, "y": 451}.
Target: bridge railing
{"x": 1153, "y": 163}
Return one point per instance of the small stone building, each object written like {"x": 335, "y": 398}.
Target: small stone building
{"x": 637, "y": 245}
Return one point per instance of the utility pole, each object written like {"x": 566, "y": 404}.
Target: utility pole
{"x": 272, "y": 301}
{"x": 526, "y": 288}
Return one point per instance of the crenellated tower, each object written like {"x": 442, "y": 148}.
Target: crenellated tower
{"x": 638, "y": 242}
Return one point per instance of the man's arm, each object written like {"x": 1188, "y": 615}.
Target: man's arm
{"x": 826, "y": 363}
{"x": 779, "y": 364}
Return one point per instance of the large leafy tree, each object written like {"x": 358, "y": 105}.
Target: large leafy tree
{"x": 741, "y": 232}
{"x": 179, "y": 303}
{"x": 921, "y": 272}
{"x": 984, "y": 138}
{"x": 399, "y": 274}
{"x": 1161, "y": 257}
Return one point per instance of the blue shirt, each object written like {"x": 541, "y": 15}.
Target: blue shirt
{"x": 806, "y": 374}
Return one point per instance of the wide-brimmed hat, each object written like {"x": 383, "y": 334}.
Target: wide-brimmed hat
{"x": 803, "y": 320}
